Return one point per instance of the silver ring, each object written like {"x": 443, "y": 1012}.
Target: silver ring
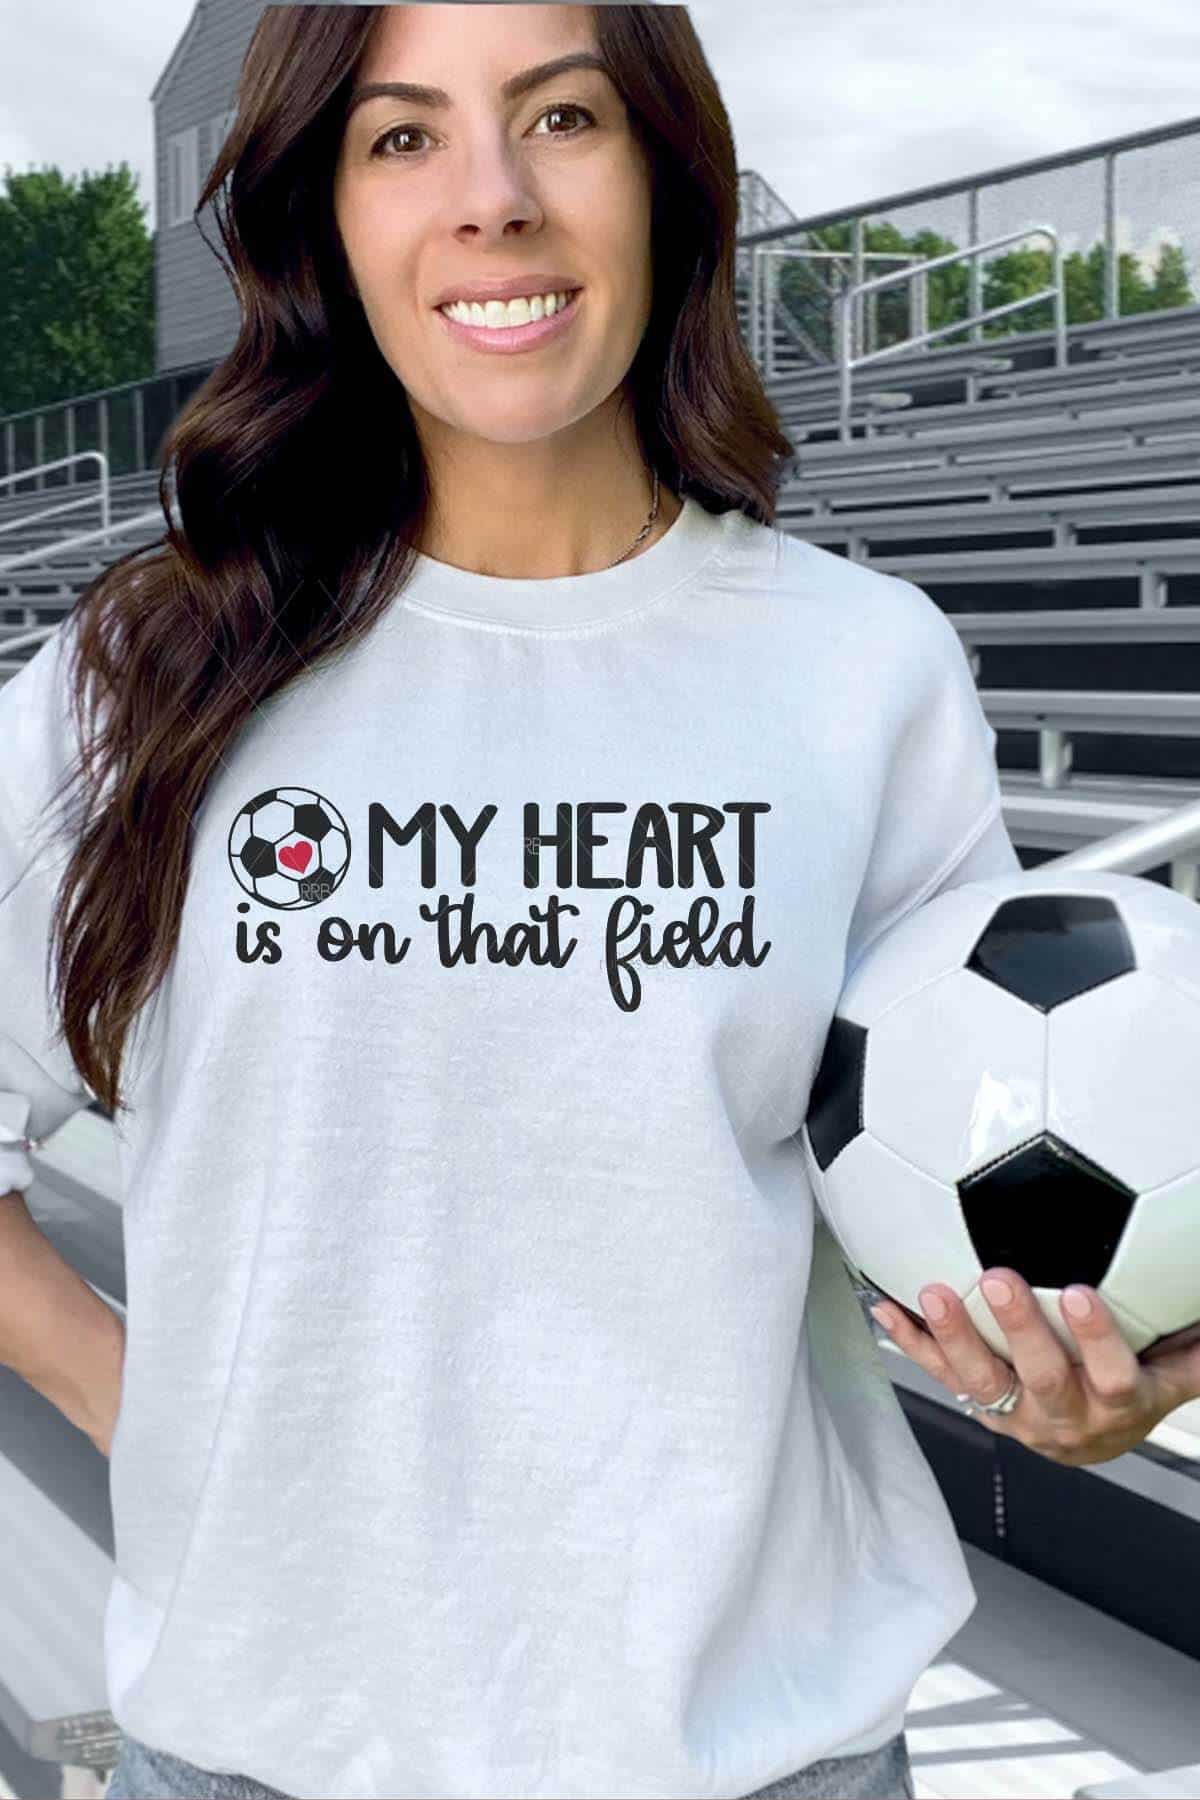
{"x": 1009, "y": 1400}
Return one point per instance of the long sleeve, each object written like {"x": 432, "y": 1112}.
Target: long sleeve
{"x": 941, "y": 798}
{"x": 40, "y": 1088}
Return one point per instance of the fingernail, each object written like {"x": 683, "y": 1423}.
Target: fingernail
{"x": 1077, "y": 1302}
{"x": 934, "y": 1307}
{"x": 996, "y": 1291}
{"x": 882, "y": 1316}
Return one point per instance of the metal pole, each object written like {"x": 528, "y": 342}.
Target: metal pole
{"x": 1112, "y": 266}
{"x": 102, "y": 429}
{"x": 975, "y": 291}
{"x": 845, "y": 304}
{"x": 770, "y": 284}
{"x": 858, "y": 245}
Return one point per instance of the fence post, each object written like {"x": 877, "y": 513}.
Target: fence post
{"x": 858, "y": 273}
{"x": 975, "y": 290}
{"x": 1112, "y": 265}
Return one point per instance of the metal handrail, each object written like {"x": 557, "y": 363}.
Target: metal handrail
{"x": 1139, "y": 847}
{"x": 847, "y": 363}
{"x": 104, "y": 532}
{"x": 95, "y": 395}
{"x": 37, "y": 636}
{"x": 763, "y": 295}
{"x": 61, "y": 462}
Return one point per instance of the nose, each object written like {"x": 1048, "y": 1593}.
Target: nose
{"x": 495, "y": 195}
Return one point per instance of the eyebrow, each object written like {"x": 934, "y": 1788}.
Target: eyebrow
{"x": 512, "y": 89}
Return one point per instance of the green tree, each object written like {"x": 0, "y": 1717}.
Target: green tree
{"x": 76, "y": 285}
{"x": 1171, "y": 286}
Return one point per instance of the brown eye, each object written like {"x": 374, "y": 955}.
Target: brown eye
{"x": 396, "y": 131}
{"x": 567, "y": 107}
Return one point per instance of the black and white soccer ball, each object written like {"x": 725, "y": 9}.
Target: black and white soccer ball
{"x": 289, "y": 847}
{"x": 1012, "y": 1076}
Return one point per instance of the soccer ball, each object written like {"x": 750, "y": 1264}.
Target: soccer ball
{"x": 1012, "y": 1077}
{"x": 289, "y": 847}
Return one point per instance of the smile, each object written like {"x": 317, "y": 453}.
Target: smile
{"x": 510, "y": 338}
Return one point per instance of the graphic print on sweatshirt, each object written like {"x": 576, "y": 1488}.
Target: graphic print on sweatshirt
{"x": 290, "y": 849}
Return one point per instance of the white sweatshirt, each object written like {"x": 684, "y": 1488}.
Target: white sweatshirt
{"x": 497, "y": 1420}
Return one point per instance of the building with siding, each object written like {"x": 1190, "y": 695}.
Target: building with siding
{"x": 194, "y": 103}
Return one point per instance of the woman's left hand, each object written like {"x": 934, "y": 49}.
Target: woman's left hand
{"x": 1070, "y": 1413}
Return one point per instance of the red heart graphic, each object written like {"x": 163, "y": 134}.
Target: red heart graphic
{"x": 295, "y": 856}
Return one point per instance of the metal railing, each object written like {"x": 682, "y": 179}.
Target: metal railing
{"x": 45, "y": 553}
{"x": 1163, "y": 840}
{"x": 766, "y": 307}
{"x": 23, "y": 641}
{"x": 62, "y": 506}
{"x": 919, "y": 274}
{"x": 44, "y": 556}
{"x": 1108, "y": 196}
{"x": 125, "y": 423}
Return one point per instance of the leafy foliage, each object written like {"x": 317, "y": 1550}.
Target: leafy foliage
{"x": 76, "y": 285}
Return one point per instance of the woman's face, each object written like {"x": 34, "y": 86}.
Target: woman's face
{"x": 545, "y": 180}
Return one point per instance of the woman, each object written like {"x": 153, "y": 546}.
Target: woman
{"x": 494, "y": 804}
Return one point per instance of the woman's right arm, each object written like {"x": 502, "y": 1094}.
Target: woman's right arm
{"x": 55, "y": 1331}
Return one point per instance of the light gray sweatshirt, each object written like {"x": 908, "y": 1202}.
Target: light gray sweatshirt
{"x": 498, "y": 1417}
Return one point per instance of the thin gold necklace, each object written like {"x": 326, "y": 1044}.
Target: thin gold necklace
{"x": 641, "y": 534}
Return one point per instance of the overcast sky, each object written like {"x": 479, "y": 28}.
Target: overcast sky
{"x": 834, "y": 101}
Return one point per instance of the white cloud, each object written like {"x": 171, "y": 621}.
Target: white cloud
{"x": 842, "y": 101}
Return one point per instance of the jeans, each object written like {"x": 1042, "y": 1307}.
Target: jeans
{"x": 884, "y": 1774}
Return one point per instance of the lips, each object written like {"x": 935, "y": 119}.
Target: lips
{"x": 508, "y": 287}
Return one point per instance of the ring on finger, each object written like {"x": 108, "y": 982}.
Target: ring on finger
{"x": 1008, "y": 1402}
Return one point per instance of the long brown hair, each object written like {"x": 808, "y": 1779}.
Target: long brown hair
{"x": 285, "y": 552}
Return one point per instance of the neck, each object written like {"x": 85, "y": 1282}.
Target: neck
{"x": 528, "y": 511}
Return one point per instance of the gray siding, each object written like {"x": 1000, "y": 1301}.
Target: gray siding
{"x": 197, "y": 313}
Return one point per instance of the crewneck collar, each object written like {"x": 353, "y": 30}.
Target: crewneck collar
{"x": 568, "y": 601}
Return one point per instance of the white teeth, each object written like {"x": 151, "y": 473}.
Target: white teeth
{"x": 500, "y": 315}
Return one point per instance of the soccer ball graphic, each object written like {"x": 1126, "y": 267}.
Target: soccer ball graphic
{"x": 1012, "y": 1077}
{"x": 289, "y": 847}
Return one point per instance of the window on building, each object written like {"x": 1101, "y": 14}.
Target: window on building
{"x": 183, "y": 175}
{"x": 219, "y": 127}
